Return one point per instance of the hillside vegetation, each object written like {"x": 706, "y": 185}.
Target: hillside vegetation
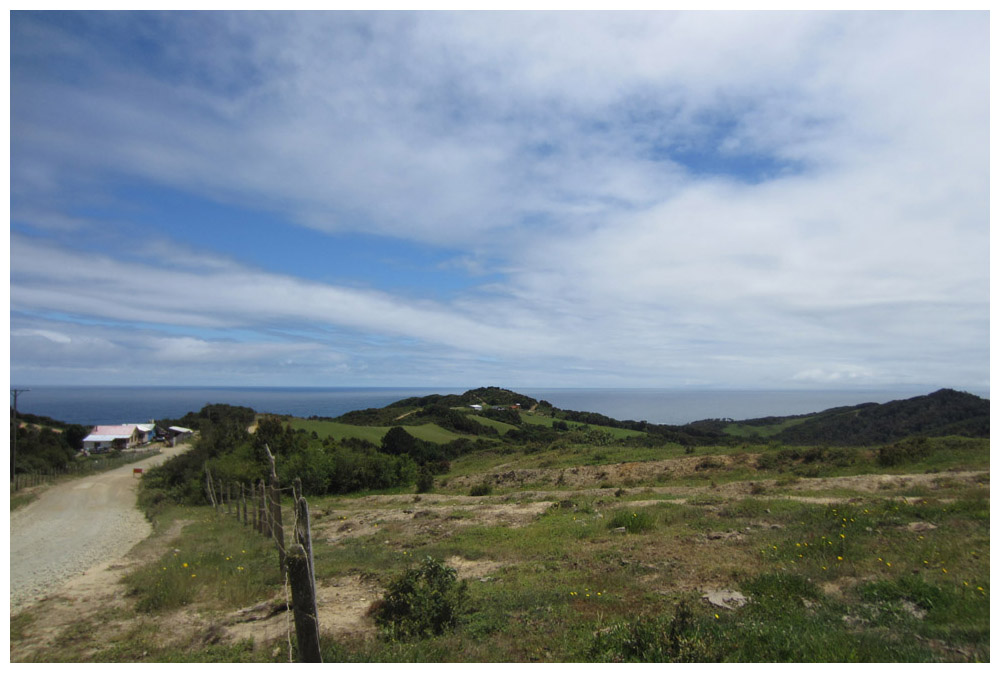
{"x": 945, "y": 412}
{"x": 541, "y": 534}
{"x": 391, "y": 447}
{"x": 45, "y": 444}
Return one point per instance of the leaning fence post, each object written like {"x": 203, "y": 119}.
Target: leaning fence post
{"x": 208, "y": 487}
{"x": 304, "y": 605}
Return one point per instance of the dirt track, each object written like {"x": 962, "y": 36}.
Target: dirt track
{"x": 75, "y": 527}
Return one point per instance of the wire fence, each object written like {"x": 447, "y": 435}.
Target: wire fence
{"x": 258, "y": 504}
{"x": 92, "y": 465}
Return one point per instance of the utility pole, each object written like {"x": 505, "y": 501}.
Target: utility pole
{"x": 13, "y": 447}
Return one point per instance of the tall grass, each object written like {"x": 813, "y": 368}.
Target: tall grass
{"x": 221, "y": 563}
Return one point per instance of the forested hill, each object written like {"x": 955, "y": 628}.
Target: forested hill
{"x": 945, "y": 412}
{"x": 435, "y": 408}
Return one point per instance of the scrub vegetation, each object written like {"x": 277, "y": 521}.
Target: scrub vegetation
{"x": 574, "y": 542}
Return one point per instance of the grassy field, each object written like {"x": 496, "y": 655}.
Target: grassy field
{"x": 499, "y": 426}
{"x": 428, "y": 431}
{"x": 596, "y": 554}
{"x": 617, "y": 433}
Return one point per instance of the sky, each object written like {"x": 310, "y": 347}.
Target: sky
{"x": 727, "y": 200}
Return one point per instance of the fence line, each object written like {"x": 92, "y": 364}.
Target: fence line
{"x": 94, "y": 465}
{"x": 259, "y": 506}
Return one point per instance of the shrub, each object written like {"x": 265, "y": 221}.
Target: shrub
{"x": 481, "y": 489}
{"x": 425, "y": 601}
{"x": 908, "y": 450}
{"x": 653, "y": 639}
{"x": 425, "y": 480}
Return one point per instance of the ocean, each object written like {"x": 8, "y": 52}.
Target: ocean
{"x": 101, "y": 405}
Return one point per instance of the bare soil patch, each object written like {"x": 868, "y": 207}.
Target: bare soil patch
{"x": 437, "y": 515}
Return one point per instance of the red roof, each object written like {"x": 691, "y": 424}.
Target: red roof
{"x": 117, "y": 430}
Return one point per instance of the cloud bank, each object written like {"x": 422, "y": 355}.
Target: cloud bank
{"x": 621, "y": 199}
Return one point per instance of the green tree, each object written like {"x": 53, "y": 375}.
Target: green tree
{"x": 398, "y": 441}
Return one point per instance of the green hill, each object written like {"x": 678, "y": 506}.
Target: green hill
{"x": 942, "y": 413}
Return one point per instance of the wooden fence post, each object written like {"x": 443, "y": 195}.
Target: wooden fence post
{"x": 265, "y": 523}
{"x": 304, "y": 605}
{"x": 208, "y": 487}
{"x": 303, "y": 531}
{"x": 277, "y": 528}
{"x": 252, "y": 504}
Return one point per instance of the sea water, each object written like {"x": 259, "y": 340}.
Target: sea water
{"x": 100, "y": 405}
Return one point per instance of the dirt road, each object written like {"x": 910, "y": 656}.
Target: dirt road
{"x": 74, "y": 527}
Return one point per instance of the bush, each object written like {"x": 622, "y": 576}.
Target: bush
{"x": 481, "y": 489}
{"x": 909, "y": 450}
{"x": 425, "y": 480}
{"x": 425, "y": 601}
{"x": 653, "y": 639}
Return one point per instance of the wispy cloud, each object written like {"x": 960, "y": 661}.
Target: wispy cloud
{"x": 631, "y": 198}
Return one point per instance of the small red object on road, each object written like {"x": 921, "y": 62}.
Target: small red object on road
{"x": 137, "y": 470}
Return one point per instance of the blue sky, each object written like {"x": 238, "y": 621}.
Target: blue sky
{"x": 725, "y": 199}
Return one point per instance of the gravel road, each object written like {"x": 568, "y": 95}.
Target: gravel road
{"x": 73, "y": 527}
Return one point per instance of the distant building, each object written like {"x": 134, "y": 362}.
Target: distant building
{"x": 476, "y": 407}
{"x": 146, "y": 432}
{"x": 107, "y": 437}
{"x": 178, "y": 434}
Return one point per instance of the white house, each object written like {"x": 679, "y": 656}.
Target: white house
{"x": 105, "y": 437}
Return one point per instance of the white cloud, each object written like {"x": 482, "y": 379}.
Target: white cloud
{"x": 557, "y": 151}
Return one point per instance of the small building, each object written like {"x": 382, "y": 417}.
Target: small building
{"x": 147, "y": 431}
{"x": 108, "y": 437}
{"x": 476, "y": 407}
{"x": 178, "y": 434}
